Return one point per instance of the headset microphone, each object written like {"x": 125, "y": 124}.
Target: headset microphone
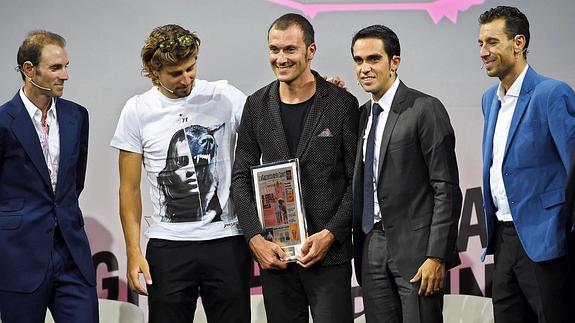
{"x": 40, "y": 87}
{"x": 165, "y": 88}
{"x": 483, "y": 66}
{"x": 18, "y": 68}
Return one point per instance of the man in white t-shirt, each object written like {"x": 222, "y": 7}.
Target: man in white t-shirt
{"x": 183, "y": 132}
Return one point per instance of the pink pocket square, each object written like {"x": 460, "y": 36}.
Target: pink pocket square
{"x": 325, "y": 133}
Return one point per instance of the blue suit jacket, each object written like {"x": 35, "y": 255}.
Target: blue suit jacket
{"x": 535, "y": 163}
{"x": 29, "y": 208}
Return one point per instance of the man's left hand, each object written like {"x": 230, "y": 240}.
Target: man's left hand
{"x": 315, "y": 248}
{"x": 336, "y": 80}
{"x": 431, "y": 273}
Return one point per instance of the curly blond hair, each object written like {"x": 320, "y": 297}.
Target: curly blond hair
{"x": 153, "y": 59}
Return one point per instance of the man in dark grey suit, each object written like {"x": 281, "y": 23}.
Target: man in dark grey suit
{"x": 406, "y": 192}
{"x": 300, "y": 115}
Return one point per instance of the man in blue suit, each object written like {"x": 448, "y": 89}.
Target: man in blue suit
{"x": 528, "y": 136}
{"x": 45, "y": 259}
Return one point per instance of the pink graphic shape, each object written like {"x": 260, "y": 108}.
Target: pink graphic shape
{"x": 435, "y": 9}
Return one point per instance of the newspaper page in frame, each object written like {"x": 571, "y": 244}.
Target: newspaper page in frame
{"x": 279, "y": 204}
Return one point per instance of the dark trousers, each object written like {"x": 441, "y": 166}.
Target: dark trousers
{"x": 387, "y": 295}
{"x": 217, "y": 270}
{"x": 526, "y": 291}
{"x": 326, "y": 290}
{"x": 571, "y": 269}
{"x": 64, "y": 291}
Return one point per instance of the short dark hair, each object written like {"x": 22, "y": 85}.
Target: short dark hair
{"x": 31, "y": 48}
{"x": 516, "y": 23}
{"x": 387, "y": 36}
{"x": 154, "y": 59}
{"x": 290, "y": 19}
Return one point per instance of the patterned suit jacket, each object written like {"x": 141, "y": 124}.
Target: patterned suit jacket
{"x": 326, "y": 161}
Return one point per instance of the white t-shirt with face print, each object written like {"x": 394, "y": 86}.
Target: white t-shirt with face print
{"x": 187, "y": 148}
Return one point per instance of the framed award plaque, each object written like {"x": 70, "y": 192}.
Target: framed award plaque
{"x": 279, "y": 203}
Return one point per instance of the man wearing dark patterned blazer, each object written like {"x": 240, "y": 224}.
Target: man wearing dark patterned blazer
{"x": 300, "y": 115}
{"x": 406, "y": 189}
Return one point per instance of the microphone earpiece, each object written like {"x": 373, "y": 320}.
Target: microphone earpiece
{"x": 165, "y": 88}
{"x": 40, "y": 87}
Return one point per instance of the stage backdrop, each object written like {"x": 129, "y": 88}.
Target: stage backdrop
{"x": 440, "y": 56}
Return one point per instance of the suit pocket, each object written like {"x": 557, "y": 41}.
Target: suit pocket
{"x": 10, "y": 213}
{"x": 420, "y": 223}
{"x": 552, "y": 198}
{"x": 11, "y": 205}
{"x": 323, "y": 150}
{"x": 10, "y": 222}
{"x": 157, "y": 243}
{"x": 400, "y": 144}
{"x": 531, "y": 125}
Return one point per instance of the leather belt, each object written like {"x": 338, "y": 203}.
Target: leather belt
{"x": 507, "y": 224}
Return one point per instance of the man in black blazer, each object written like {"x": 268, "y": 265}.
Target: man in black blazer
{"x": 300, "y": 115}
{"x": 406, "y": 189}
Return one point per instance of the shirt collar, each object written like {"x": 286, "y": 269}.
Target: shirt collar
{"x": 515, "y": 88}
{"x": 32, "y": 108}
{"x": 387, "y": 99}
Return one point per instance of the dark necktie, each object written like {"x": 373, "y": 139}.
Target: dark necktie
{"x": 368, "y": 178}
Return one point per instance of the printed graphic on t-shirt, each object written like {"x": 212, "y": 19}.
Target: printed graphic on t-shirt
{"x": 189, "y": 182}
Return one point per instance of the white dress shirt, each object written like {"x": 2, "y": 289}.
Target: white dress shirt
{"x": 35, "y": 113}
{"x": 385, "y": 103}
{"x": 508, "y": 102}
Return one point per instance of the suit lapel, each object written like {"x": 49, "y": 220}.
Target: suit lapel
{"x": 396, "y": 108}
{"x": 313, "y": 117}
{"x": 277, "y": 133}
{"x": 25, "y": 132}
{"x": 68, "y": 137}
{"x": 490, "y": 130}
{"x": 521, "y": 106}
{"x": 363, "y": 117}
